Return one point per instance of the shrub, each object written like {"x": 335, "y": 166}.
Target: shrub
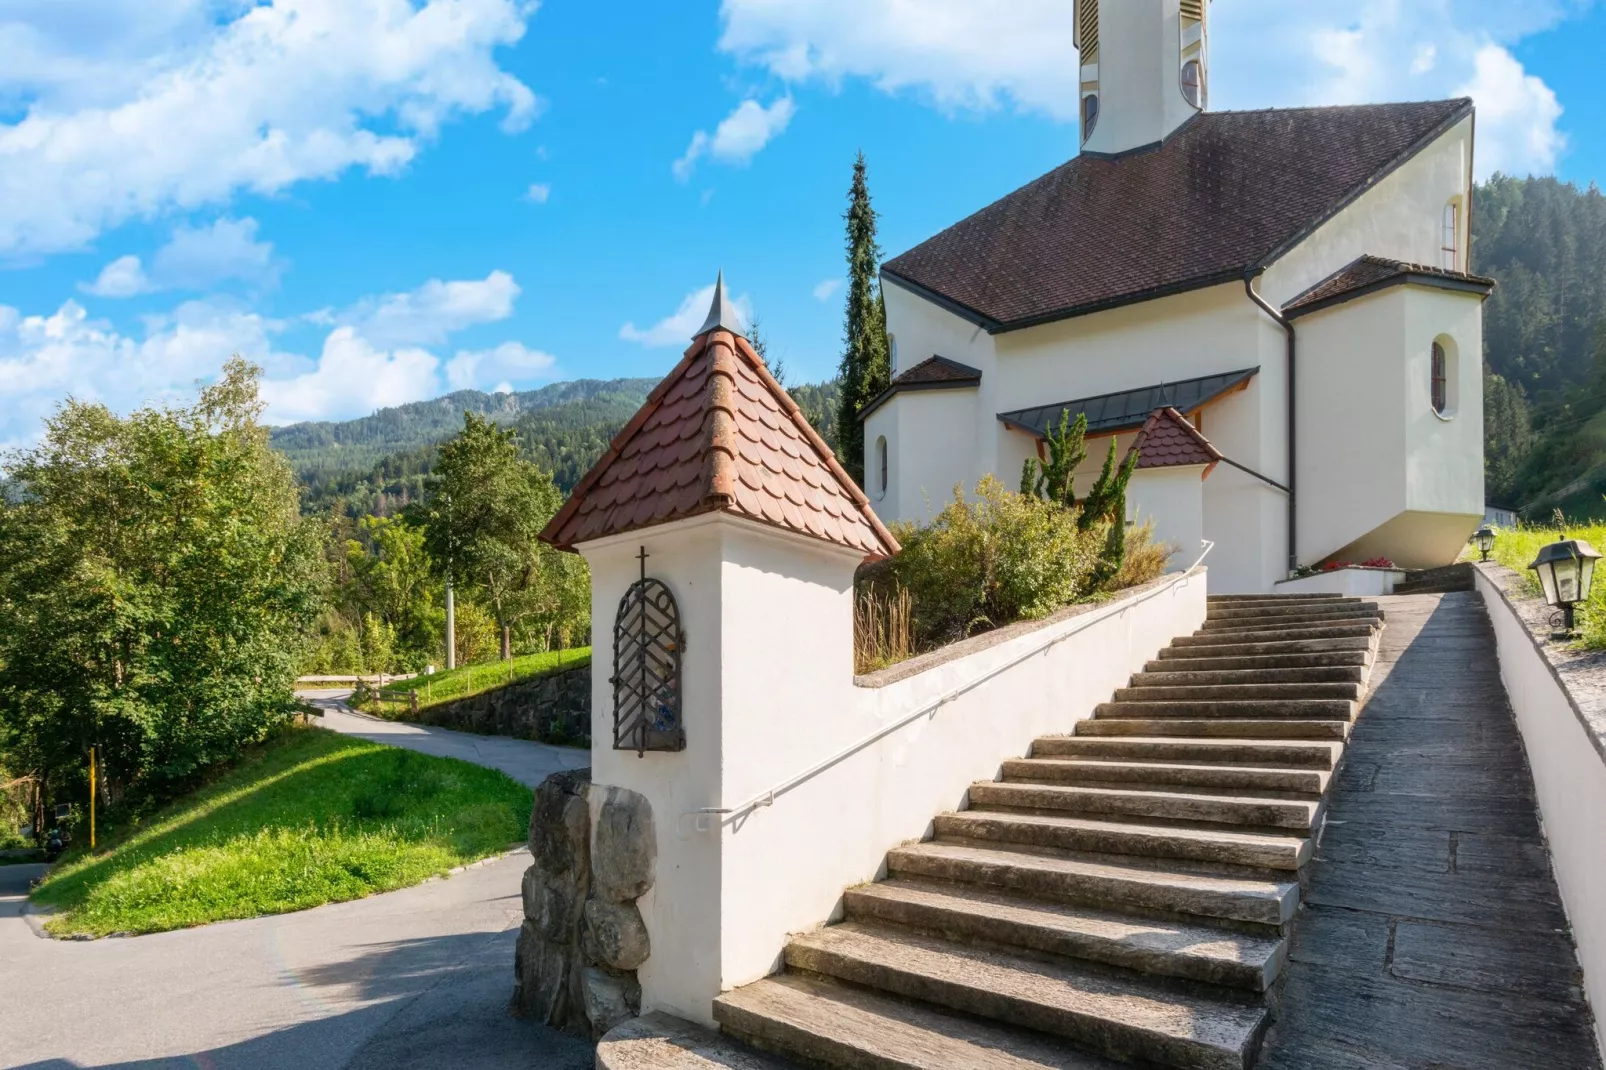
{"x": 1002, "y": 558}
{"x": 1145, "y": 559}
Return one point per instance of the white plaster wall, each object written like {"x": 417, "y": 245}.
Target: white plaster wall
{"x": 931, "y": 447}
{"x": 682, "y": 909}
{"x": 1140, "y": 66}
{"x": 1351, "y": 582}
{"x": 1444, "y": 454}
{"x": 1400, "y": 217}
{"x": 1570, "y": 781}
{"x": 1174, "y": 499}
{"x": 1353, "y": 393}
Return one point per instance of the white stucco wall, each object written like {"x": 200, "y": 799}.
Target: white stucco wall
{"x": 1139, "y": 72}
{"x": 1381, "y": 472}
{"x": 1352, "y": 582}
{"x": 1570, "y": 781}
{"x": 930, "y": 447}
{"x": 1400, "y": 217}
{"x": 769, "y": 693}
{"x": 1174, "y": 499}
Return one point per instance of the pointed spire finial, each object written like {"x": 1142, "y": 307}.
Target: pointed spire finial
{"x": 722, "y": 313}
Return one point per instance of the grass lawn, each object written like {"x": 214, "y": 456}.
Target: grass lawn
{"x": 310, "y": 817}
{"x": 473, "y": 679}
{"x": 1517, "y": 547}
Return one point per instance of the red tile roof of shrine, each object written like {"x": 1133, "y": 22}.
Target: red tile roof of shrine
{"x": 1168, "y": 440}
{"x": 719, "y": 434}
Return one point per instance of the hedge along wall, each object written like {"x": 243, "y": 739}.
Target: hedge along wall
{"x": 555, "y": 708}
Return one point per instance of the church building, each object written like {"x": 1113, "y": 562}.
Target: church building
{"x": 1274, "y": 305}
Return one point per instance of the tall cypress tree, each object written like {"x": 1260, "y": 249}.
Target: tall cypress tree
{"x": 866, "y": 368}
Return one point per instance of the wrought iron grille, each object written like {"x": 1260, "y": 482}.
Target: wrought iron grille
{"x": 647, "y": 645}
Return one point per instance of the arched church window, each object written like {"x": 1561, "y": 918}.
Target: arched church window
{"x": 1449, "y": 243}
{"x": 1090, "y": 114}
{"x": 1193, "y": 83}
{"x": 1440, "y": 378}
{"x": 881, "y": 466}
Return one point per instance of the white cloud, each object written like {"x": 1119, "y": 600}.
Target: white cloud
{"x": 123, "y": 277}
{"x": 195, "y": 258}
{"x": 962, "y": 55}
{"x": 739, "y": 137}
{"x": 1517, "y": 116}
{"x": 539, "y": 192}
{"x": 375, "y": 354}
{"x": 678, "y": 328}
{"x": 427, "y": 315}
{"x": 827, "y": 287}
{"x": 188, "y": 110}
{"x": 352, "y": 376}
{"x": 509, "y": 361}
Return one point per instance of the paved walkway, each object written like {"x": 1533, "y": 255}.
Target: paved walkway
{"x": 418, "y": 978}
{"x": 1433, "y": 935}
{"x": 527, "y": 762}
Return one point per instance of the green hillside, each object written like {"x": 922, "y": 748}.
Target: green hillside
{"x": 378, "y": 464}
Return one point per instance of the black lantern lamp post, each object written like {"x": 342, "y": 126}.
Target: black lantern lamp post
{"x": 1483, "y": 539}
{"x": 1566, "y": 572}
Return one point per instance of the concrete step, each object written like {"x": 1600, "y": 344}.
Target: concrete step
{"x": 1153, "y": 839}
{"x": 1434, "y": 587}
{"x": 1127, "y": 885}
{"x": 1308, "y": 709}
{"x": 1192, "y": 647}
{"x": 1150, "y": 945}
{"x": 1290, "y": 614}
{"x": 1290, "y": 608}
{"x": 1166, "y": 774}
{"x": 1292, "y": 624}
{"x": 664, "y": 1042}
{"x": 1273, "y": 599}
{"x": 1243, "y": 632}
{"x": 1250, "y": 752}
{"x": 1328, "y": 674}
{"x": 825, "y": 1023}
{"x": 1226, "y": 692}
{"x": 1224, "y": 728}
{"x": 1116, "y": 1015}
{"x": 1355, "y": 655}
{"x": 1200, "y": 806}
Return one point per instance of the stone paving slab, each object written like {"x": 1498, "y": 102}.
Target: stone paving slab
{"x": 1432, "y": 934}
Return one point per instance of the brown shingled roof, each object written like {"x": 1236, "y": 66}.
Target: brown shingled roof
{"x": 1168, "y": 440}
{"x": 1228, "y": 192}
{"x": 720, "y": 434}
{"x": 1372, "y": 273}
{"x": 933, "y": 373}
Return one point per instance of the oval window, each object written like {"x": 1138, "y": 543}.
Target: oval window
{"x": 1193, "y": 83}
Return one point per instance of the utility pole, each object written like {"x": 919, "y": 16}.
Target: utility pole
{"x": 451, "y": 625}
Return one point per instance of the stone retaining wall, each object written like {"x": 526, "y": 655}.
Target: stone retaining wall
{"x": 583, "y": 936}
{"x": 551, "y": 709}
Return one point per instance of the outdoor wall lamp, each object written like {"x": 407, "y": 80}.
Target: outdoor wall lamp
{"x": 1566, "y": 572}
{"x": 1483, "y": 539}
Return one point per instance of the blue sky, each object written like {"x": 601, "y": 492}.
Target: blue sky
{"x": 380, "y": 200}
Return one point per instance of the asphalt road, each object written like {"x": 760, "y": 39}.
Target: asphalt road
{"x": 418, "y": 978}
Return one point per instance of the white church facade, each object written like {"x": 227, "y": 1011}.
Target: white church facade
{"x": 1293, "y": 283}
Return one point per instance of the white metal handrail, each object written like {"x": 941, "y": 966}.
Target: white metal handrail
{"x": 767, "y": 798}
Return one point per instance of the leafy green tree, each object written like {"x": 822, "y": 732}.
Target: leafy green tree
{"x": 487, "y": 506}
{"x": 157, "y": 584}
{"x": 1107, "y": 497}
{"x": 866, "y": 368}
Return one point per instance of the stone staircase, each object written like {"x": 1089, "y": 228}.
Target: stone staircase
{"x": 1444, "y": 580}
{"x": 1122, "y": 896}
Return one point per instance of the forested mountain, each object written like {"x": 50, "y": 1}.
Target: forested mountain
{"x": 376, "y": 465}
{"x": 1544, "y": 241}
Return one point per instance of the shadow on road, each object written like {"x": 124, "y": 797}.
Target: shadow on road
{"x": 439, "y": 1003}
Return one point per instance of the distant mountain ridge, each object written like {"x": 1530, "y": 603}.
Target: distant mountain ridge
{"x": 327, "y": 445}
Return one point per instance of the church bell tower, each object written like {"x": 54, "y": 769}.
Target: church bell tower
{"x": 1145, "y": 70}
